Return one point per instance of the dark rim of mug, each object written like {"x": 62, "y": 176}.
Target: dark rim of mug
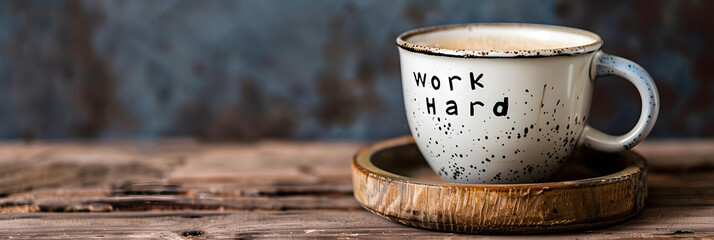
{"x": 402, "y": 42}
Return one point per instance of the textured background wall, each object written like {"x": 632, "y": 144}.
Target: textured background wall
{"x": 243, "y": 70}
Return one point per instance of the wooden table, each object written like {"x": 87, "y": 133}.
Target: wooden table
{"x": 182, "y": 189}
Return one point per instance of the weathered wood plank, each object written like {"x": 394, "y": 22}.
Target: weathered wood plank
{"x": 678, "y": 154}
{"x": 269, "y": 175}
{"x": 175, "y": 175}
{"x": 73, "y": 200}
{"x": 662, "y": 223}
{"x": 290, "y": 189}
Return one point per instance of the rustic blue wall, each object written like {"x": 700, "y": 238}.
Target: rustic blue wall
{"x": 243, "y": 70}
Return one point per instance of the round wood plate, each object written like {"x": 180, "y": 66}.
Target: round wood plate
{"x": 392, "y": 179}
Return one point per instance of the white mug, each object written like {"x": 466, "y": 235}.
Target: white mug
{"x": 512, "y": 112}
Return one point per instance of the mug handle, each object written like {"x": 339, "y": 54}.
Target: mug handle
{"x": 605, "y": 65}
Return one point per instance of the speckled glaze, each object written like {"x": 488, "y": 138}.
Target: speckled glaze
{"x": 511, "y": 116}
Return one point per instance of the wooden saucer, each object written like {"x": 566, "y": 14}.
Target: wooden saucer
{"x": 393, "y": 180}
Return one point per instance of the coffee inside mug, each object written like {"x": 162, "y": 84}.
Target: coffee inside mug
{"x": 501, "y": 40}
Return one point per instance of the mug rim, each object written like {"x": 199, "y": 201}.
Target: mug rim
{"x": 402, "y": 42}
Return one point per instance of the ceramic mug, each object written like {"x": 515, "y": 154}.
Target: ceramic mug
{"x": 508, "y": 103}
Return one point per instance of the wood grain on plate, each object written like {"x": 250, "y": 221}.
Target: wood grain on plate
{"x": 392, "y": 179}
{"x": 183, "y": 189}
